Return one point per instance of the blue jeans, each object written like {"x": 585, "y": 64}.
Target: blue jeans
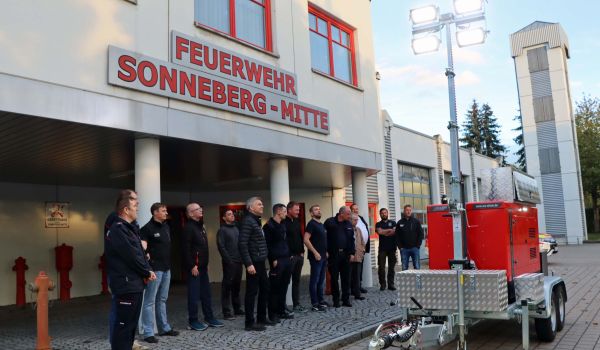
{"x": 413, "y": 253}
{"x": 155, "y": 302}
{"x": 317, "y": 276}
{"x": 199, "y": 288}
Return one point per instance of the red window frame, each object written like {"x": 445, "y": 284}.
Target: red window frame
{"x": 343, "y": 28}
{"x": 266, "y": 4}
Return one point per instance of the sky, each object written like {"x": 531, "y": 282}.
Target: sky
{"x": 413, "y": 89}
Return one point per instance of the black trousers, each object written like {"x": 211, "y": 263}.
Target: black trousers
{"x": 126, "y": 308}
{"x": 296, "y": 268}
{"x": 230, "y": 288}
{"x": 339, "y": 269}
{"x": 391, "y": 261}
{"x": 257, "y": 284}
{"x": 279, "y": 279}
{"x": 355, "y": 274}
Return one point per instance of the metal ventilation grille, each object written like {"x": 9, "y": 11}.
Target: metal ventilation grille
{"x": 532, "y": 253}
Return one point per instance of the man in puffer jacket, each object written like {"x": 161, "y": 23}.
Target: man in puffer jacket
{"x": 253, "y": 251}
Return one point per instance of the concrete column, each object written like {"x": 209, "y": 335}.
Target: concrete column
{"x": 359, "y": 192}
{"x": 147, "y": 176}
{"x": 280, "y": 182}
{"x": 280, "y": 193}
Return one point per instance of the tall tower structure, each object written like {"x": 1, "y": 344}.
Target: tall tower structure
{"x": 540, "y": 52}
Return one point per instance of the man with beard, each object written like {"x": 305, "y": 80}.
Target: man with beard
{"x": 315, "y": 239}
{"x": 387, "y": 249}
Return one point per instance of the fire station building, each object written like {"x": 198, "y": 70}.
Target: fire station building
{"x": 212, "y": 101}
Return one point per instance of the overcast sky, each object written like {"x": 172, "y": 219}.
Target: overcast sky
{"x": 414, "y": 88}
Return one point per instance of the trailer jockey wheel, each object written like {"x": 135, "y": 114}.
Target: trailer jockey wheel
{"x": 546, "y": 328}
{"x": 561, "y": 310}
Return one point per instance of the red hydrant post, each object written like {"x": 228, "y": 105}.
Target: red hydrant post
{"x": 42, "y": 285}
{"x": 64, "y": 263}
{"x": 102, "y": 266}
{"x": 20, "y": 268}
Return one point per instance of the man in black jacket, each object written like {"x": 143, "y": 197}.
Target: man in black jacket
{"x": 296, "y": 245}
{"x": 410, "y": 236}
{"x": 253, "y": 250}
{"x": 279, "y": 260}
{"x": 156, "y": 240}
{"x": 227, "y": 242}
{"x": 127, "y": 270}
{"x": 340, "y": 246}
{"x": 195, "y": 253}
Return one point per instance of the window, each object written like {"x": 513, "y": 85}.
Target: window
{"x": 415, "y": 190}
{"x": 549, "y": 160}
{"x": 332, "y": 47}
{"x": 543, "y": 109}
{"x": 537, "y": 59}
{"x": 245, "y": 20}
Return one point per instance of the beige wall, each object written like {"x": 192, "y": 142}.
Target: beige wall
{"x": 29, "y": 30}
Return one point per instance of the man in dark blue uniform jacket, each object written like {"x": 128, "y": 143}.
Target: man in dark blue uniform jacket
{"x": 127, "y": 269}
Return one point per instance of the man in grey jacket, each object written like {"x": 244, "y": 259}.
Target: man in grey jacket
{"x": 227, "y": 242}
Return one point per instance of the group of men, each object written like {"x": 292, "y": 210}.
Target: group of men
{"x": 138, "y": 263}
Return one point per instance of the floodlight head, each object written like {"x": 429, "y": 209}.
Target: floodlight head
{"x": 468, "y": 37}
{"x": 426, "y": 44}
{"x": 423, "y": 15}
{"x": 464, "y": 7}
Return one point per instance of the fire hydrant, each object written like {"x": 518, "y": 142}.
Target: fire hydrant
{"x": 41, "y": 286}
{"x": 20, "y": 268}
{"x": 64, "y": 263}
{"x": 102, "y": 266}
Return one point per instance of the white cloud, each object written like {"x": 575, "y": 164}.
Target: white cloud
{"x": 470, "y": 56}
{"x": 418, "y": 75}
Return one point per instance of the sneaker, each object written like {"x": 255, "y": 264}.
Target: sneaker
{"x": 151, "y": 339}
{"x": 171, "y": 333}
{"x": 290, "y": 311}
{"x": 239, "y": 312}
{"x": 228, "y": 316}
{"x": 300, "y": 308}
{"x": 197, "y": 326}
{"x": 286, "y": 316}
{"x": 318, "y": 307}
{"x": 255, "y": 327}
{"x": 214, "y": 323}
{"x": 137, "y": 346}
{"x": 324, "y": 303}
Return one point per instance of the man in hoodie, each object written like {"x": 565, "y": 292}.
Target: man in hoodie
{"x": 195, "y": 253}
{"x": 227, "y": 242}
{"x": 279, "y": 260}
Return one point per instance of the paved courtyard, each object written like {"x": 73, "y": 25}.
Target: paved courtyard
{"x": 82, "y": 323}
{"x": 580, "y": 268}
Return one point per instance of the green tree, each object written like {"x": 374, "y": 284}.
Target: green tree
{"x": 587, "y": 119}
{"x": 471, "y": 129}
{"x": 521, "y": 163}
{"x": 490, "y": 131}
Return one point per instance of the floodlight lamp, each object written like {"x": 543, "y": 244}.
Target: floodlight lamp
{"x": 468, "y": 37}
{"x": 426, "y": 44}
{"x": 423, "y": 15}
{"x": 463, "y": 7}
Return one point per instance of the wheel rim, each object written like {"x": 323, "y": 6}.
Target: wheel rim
{"x": 553, "y": 315}
{"x": 561, "y": 306}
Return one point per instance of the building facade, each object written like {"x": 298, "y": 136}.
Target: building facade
{"x": 210, "y": 101}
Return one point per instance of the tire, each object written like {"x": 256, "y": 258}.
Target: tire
{"x": 561, "y": 310}
{"x": 546, "y": 328}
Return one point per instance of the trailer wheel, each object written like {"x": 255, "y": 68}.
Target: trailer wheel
{"x": 546, "y": 328}
{"x": 561, "y": 311}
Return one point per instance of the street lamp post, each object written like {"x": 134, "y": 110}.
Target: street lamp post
{"x": 427, "y": 20}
